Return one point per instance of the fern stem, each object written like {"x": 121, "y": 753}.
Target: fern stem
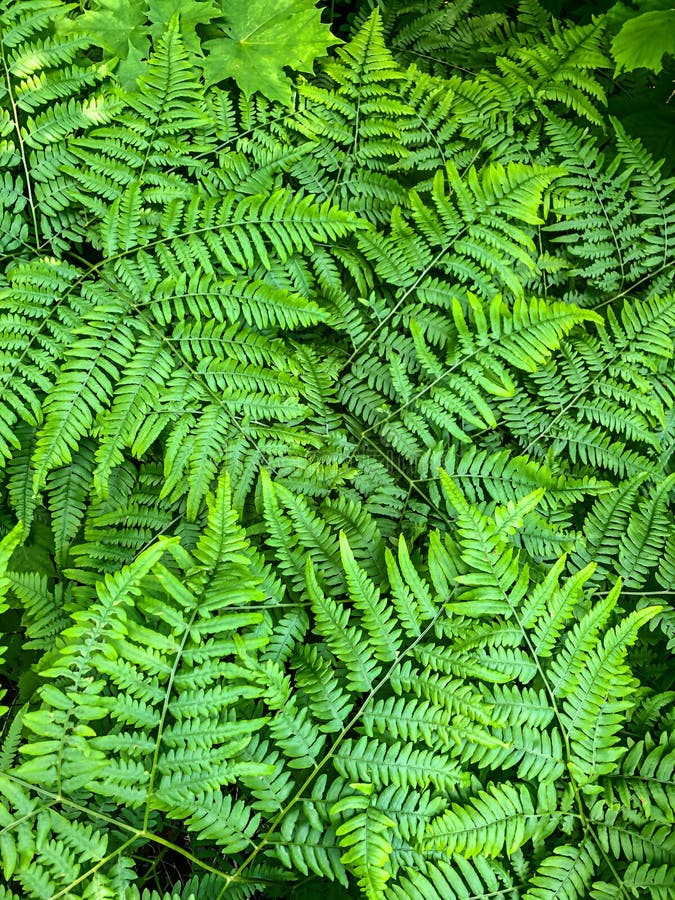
{"x": 66, "y": 890}
{"x": 276, "y": 822}
{"x": 165, "y": 711}
{"x": 22, "y": 147}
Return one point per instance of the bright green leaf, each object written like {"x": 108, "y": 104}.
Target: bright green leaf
{"x": 262, "y": 37}
{"x": 192, "y": 13}
{"x": 114, "y": 26}
{"x": 643, "y": 41}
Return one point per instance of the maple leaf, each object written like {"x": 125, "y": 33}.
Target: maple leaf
{"x": 643, "y": 41}
{"x": 192, "y": 13}
{"x": 118, "y": 28}
{"x": 113, "y": 25}
{"x": 263, "y": 37}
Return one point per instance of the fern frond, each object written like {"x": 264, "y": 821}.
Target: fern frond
{"x": 347, "y": 642}
{"x": 606, "y": 524}
{"x": 567, "y": 873}
{"x": 501, "y": 817}
{"x": 597, "y": 695}
{"x": 645, "y": 537}
{"x": 7, "y": 546}
{"x": 397, "y": 763}
{"x": 364, "y": 835}
{"x": 455, "y": 879}
{"x": 307, "y": 843}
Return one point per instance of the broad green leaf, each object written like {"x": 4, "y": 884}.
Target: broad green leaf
{"x": 192, "y": 13}
{"x": 644, "y": 40}
{"x": 118, "y": 27}
{"x": 114, "y": 25}
{"x": 261, "y": 39}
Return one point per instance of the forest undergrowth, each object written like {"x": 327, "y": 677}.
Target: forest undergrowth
{"x": 337, "y": 444}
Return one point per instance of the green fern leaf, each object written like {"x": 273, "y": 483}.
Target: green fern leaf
{"x": 500, "y": 818}
{"x": 567, "y": 873}
{"x": 364, "y": 835}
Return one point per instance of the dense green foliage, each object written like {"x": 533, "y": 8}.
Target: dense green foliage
{"x": 337, "y": 430}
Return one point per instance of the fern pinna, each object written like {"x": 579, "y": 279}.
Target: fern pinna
{"x": 337, "y": 433}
